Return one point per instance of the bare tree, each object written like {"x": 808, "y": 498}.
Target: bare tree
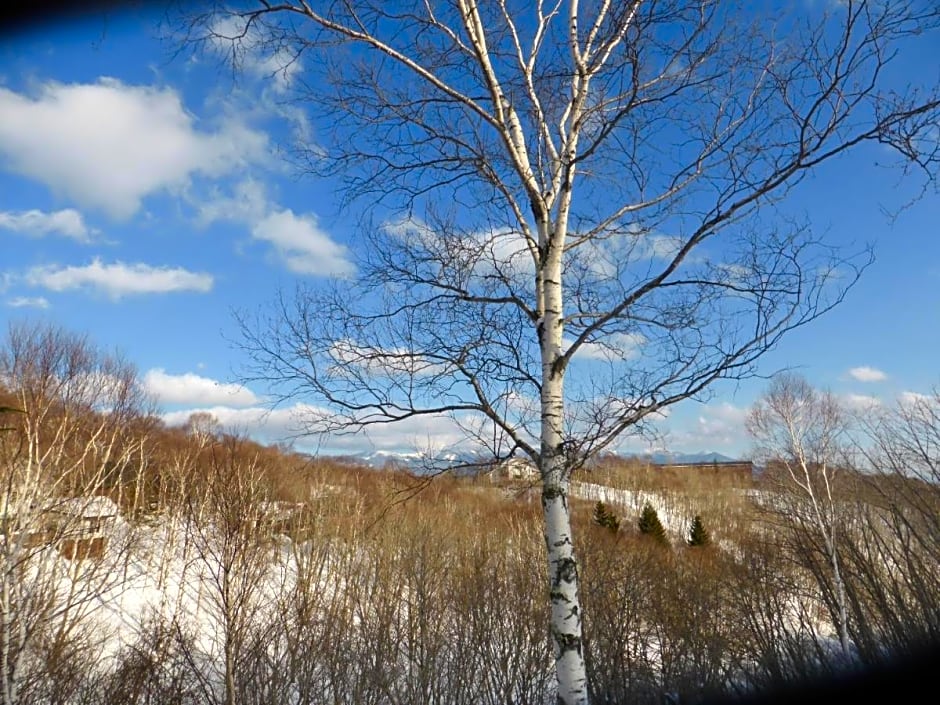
{"x": 806, "y": 432}
{"x": 226, "y": 519}
{"x": 65, "y": 453}
{"x": 560, "y": 185}
{"x": 897, "y": 556}
{"x": 905, "y": 445}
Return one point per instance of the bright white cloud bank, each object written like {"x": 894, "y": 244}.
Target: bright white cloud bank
{"x": 119, "y": 279}
{"x": 107, "y": 145}
{"x": 262, "y": 424}
{"x": 192, "y": 389}
{"x": 247, "y": 203}
{"x": 67, "y": 222}
{"x": 867, "y": 374}
{"x": 298, "y": 241}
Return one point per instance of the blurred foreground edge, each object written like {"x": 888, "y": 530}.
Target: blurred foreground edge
{"x": 910, "y": 676}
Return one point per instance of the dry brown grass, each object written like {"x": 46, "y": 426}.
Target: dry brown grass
{"x": 633, "y": 474}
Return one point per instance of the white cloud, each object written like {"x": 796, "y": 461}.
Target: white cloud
{"x": 507, "y": 250}
{"x": 423, "y": 433}
{"x": 107, "y": 145}
{"x": 28, "y": 302}
{"x": 908, "y": 399}
{"x": 67, "y": 222}
{"x": 192, "y": 389}
{"x": 860, "y": 402}
{"x": 867, "y": 374}
{"x": 735, "y": 274}
{"x": 98, "y": 389}
{"x": 248, "y": 203}
{"x": 663, "y": 246}
{"x": 119, "y": 279}
{"x": 718, "y": 428}
{"x": 503, "y": 250}
{"x": 619, "y": 346}
{"x": 631, "y": 246}
{"x": 282, "y": 66}
{"x": 349, "y": 354}
{"x": 260, "y": 423}
{"x": 302, "y": 245}
{"x": 431, "y": 434}
{"x": 411, "y": 228}
{"x": 254, "y": 54}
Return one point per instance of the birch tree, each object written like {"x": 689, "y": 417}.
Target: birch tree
{"x": 806, "y": 432}
{"x": 572, "y": 212}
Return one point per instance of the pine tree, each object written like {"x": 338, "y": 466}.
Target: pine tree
{"x": 606, "y": 518}
{"x": 698, "y": 534}
{"x": 650, "y": 525}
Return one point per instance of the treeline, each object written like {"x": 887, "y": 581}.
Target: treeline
{"x": 279, "y": 579}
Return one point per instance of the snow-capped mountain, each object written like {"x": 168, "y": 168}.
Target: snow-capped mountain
{"x": 419, "y": 461}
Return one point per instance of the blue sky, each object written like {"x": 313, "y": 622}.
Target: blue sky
{"x": 144, "y": 196}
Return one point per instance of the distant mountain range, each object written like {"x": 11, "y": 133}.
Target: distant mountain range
{"x": 417, "y": 462}
{"x": 383, "y": 458}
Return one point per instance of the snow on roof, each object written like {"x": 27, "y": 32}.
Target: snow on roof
{"x": 96, "y": 506}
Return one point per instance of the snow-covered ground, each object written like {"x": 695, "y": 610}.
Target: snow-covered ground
{"x": 166, "y": 569}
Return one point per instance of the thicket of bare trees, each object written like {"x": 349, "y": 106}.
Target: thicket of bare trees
{"x": 75, "y": 435}
{"x": 277, "y": 578}
{"x": 434, "y": 604}
{"x": 855, "y": 502}
{"x": 896, "y": 557}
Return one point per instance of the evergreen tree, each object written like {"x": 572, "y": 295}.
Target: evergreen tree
{"x": 606, "y": 518}
{"x": 698, "y": 534}
{"x": 650, "y": 525}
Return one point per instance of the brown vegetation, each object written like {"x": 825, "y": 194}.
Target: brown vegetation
{"x": 407, "y": 591}
{"x": 634, "y": 473}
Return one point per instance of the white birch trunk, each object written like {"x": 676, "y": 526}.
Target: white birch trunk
{"x": 565, "y": 623}
{"x": 840, "y": 595}
{"x": 8, "y": 658}
{"x": 826, "y": 525}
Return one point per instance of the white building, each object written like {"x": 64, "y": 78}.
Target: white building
{"x": 515, "y": 469}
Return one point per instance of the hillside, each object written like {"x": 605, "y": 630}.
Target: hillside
{"x": 145, "y": 564}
